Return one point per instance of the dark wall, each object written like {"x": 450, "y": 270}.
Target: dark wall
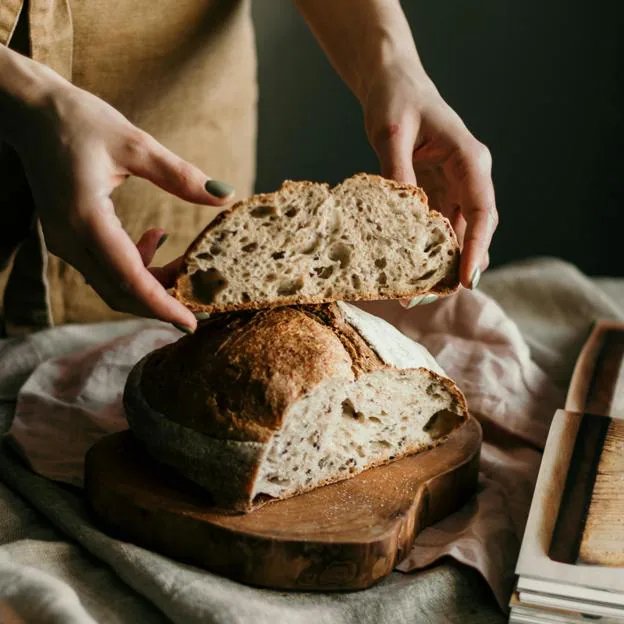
{"x": 542, "y": 84}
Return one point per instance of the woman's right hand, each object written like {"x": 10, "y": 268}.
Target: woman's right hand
{"x": 76, "y": 149}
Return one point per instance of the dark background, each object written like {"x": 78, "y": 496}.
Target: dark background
{"x": 541, "y": 84}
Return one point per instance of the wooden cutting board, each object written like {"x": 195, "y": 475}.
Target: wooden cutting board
{"x": 347, "y": 535}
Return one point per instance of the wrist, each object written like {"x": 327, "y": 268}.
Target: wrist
{"x": 25, "y": 88}
{"x": 397, "y": 78}
{"x": 392, "y": 66}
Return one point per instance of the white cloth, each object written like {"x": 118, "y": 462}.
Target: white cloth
{"x": 73, "y": 399}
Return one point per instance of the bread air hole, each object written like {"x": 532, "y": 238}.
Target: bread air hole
{"x": 356, "y": 281}
{"x": 215, "y": 249}
{"x": 380, "y": 263}
{"x": 261, "y": 212}
{"x": 278, "y": 255}
{"x": 337, "y": 224}
{"x": 339, "y": 252}
{"x": 251, "y": 247}
{"x": 206, "y": 285}
{"x": 348, "y": 411}
{"x": 324, "y": 272}
{"x": 290, "y": 287}
{"x": 382, "y": 443}
{"x": 424, "y": 276}
{"x": 382, "y": 279}
{"x": 291, "y": 212}
{"x": 275, "y": 479}
{"x": 437, "y": 238}
{"x": 442, "y": 423}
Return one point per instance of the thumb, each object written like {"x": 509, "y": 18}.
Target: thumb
{"x": 154, "y": 162}
{"x": 395, "y": 147}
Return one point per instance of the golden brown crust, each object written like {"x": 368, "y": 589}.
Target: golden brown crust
{"x": 228, "y": 388}
{"x": 363, "y": 357}
{"x": 183, "y": 290}
{"x": 236, "y": 377}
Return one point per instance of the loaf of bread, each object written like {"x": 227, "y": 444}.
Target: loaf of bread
{"x": 263, "y": 405}
{"x": 367, "y": 238}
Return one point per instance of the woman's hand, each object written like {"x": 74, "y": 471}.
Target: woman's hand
{"x": 76, "y": 149}
{"x": 420, "y": 139}
{"x": 417, "y": 136}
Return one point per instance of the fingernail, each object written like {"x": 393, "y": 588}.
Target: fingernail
{"x": 476, "y": 277}
{"x": 218, "y": 188}
{"x": 429, "y": 299}
{"x": 162, "y": 241}
{"x": 422, "y": 300}
{"x": 202, "y": 316}
{"x": 413, "y": 302}
{"x": 183, "y": 328}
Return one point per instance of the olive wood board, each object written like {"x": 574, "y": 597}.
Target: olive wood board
{"x": 343, "y": 536}
{"x": 574, "y": 537}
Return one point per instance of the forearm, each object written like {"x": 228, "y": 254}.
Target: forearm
{"x": 24, "y": 85}
{"x": 362, "y": 38}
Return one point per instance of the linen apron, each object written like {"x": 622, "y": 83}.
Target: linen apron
{"x": 182, "y": 70}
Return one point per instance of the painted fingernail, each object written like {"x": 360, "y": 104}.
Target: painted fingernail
{"x": 218, "y": 188}
{"x": 476, "y": 277}
{"x": 414, "y": 302}
{"x": 183, "y": 328}
{"x": 162, "y": 241}
{"x": 202, "y": 316}
{"x": 422, "y": 300}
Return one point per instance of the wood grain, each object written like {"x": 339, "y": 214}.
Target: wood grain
{"x": 574, "y": 535}
{"x": 603, "y": 535}
{"x": 534, "y": 561}
{"x": 597, "y": 385}
{"x": 578, "y": 490}
{"x": 347, "y": 535}
{"x": 588, "y": 526}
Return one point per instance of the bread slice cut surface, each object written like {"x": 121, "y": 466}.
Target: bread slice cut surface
{"x": 367, "y": 238}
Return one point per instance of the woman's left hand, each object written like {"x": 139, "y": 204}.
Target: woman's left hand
{"x": 420, "y": 139}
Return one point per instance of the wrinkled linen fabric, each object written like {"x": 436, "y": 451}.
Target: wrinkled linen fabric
{"x": 73, "y": 397}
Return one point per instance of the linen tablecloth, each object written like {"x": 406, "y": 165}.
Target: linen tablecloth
{"x": 546, "y": 309}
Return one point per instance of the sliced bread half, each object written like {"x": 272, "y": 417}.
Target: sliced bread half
{"x": 257, "y": 406}
{"x": 367, "y": 238}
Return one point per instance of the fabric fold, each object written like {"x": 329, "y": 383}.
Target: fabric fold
{"x": 469, "y": 334}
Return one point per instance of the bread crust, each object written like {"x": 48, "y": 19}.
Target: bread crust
{"x": 237, "y": 376}
{"x": 182, "y": 289}
{"x": 261, "y": 364}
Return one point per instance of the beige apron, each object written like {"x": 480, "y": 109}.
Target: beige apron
{"x": 184, "y": 71}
